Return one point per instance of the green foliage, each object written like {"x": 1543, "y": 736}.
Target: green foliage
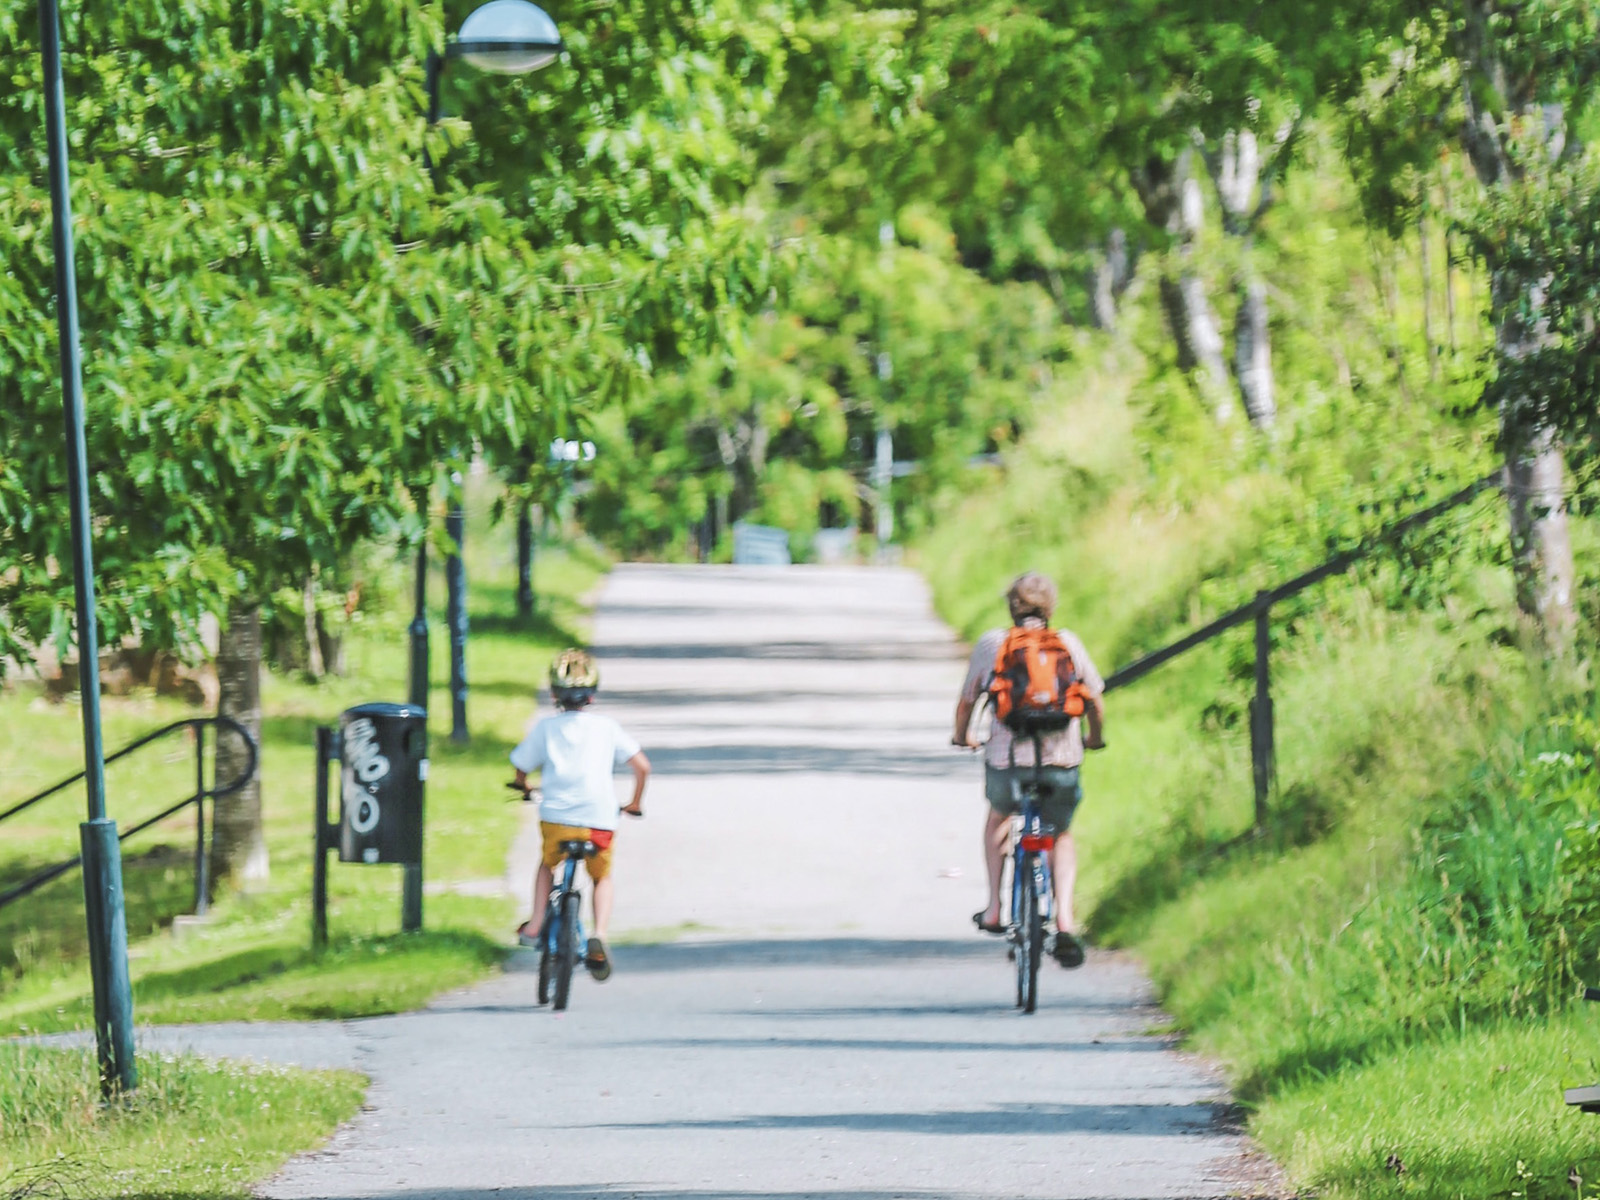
{"x": 288, "y": 325}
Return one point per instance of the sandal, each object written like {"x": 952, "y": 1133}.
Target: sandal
{"x": 1068, "y": 950}
{"x": 597, "y": 960}
{"x": 977, "y": 919}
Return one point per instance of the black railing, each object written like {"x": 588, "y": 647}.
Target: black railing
{"x": 202, "y": 793}
{"x": 1262, "y": 750}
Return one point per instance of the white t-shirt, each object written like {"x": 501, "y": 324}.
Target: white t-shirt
{"x": 577, "y": 753}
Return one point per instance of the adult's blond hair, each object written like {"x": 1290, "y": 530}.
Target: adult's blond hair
{"x": 1031, "y": 595}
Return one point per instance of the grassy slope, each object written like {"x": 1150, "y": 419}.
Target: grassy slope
{"x": 1374, "y": 970}
{"x": 193, "y": 1131}
{"x": 254, "y": 961}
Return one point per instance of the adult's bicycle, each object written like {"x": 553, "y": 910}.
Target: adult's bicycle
{"x": 1033, "y": 896}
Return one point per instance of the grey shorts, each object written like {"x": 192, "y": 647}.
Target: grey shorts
{"x": 1062, "y": 792}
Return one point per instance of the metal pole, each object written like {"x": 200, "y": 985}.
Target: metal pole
{"x": 202, "y": 884}
{"x": 102, "y": 854}
{"x": 419, "y": 617}
{"x": 882, "y": 473}
{"x": 525, "y": 560}
{"x": 1261, "y": 732}
{"x": 319, "y": 842}
{"x": 411, "y": 898}
{"x": 455, "y": 574}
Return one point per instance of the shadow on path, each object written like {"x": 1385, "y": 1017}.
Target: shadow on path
{"x": 830, "y": 760}
{"x": 1008, "y": 1120}
{"x": 846, "y": 652}
{"x": 784, "y": 952}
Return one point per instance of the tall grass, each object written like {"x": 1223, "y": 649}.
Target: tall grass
{"x": 196, "y": 1129}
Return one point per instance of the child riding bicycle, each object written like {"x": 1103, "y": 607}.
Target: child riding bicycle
{"x": 576, "y": 752}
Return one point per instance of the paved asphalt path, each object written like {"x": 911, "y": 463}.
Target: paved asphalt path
{"x": 816, "y": 1016}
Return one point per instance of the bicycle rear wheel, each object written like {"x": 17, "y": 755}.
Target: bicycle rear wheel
{"x": 1033, "y": 936}
{"x": 1026, "y": 908}
{"x": 566, "y": 947}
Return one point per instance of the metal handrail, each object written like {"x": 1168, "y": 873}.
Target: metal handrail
{"x": 1342, "y": 561}
{"x": 201, "y": 793}
{"x": 1263, "y": 751}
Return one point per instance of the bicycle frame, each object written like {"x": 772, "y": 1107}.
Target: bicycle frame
{"x": 566, "y": 882}
{"x": 1030, "y": 865}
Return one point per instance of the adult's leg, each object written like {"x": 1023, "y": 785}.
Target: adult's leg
{"x": 996, "y": 833}
{"x": 1064, "y": 870}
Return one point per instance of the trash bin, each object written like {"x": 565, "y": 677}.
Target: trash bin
{"x": 383, "y": 753}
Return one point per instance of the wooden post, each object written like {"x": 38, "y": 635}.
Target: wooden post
{"x": 1261, "y": 734}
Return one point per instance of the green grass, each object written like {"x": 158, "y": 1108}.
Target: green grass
{"x": 1388, "y": 969}
{"x": 253, "y": 960}
{"x": 194, "y": 1130}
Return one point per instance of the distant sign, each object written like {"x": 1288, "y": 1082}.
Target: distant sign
{"x": 760, "y": 545}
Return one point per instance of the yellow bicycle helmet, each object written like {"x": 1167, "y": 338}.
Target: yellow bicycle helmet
{"x": 574, "y": 678}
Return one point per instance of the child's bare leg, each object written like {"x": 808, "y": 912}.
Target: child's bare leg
{"x": 541, "y": 897}
{"x": 604, "y": 892}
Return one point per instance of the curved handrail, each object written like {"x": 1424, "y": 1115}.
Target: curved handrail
{"x": 187, "y": 723}
{"x": 201, "y": 794}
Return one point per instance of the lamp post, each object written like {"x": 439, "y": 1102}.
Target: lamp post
{"x": 102, "y": 853}
{"x": 504, "y": 37}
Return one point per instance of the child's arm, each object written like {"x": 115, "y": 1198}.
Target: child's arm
{"x": 641, "y": 772}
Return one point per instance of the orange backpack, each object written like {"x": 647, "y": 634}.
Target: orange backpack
{"x": 1035, "y": 687}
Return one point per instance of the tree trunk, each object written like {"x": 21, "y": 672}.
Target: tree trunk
{"x": 332, "y": 645}
{"x": 1173, "y": 203}
{"x": 1237, "y": 170}
{"x": 238, "y": 844}
{"x": 1541, "y": 548}
{"x": 308, "y": 606}
{"x": 1112, "y": 274}
{"x": 1252, "y": 354}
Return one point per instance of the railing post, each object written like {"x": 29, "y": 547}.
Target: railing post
{"x": 1261, "y": 732}
{"x": 202, "y": 880}
{"x": 319, "y": 844}
{"x": 455, "y": 574}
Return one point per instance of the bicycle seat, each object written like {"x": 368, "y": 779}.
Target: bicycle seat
{"x": 579, "y": 848}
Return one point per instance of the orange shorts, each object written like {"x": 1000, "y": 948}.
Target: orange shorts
{"x": 598, "y": 866}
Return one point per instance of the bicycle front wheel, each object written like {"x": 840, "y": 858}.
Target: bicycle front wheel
{"x": 566, "y": 947}
{"x": 546, "y": 957}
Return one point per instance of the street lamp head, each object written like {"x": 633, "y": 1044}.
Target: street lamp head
{"x": 508, "y": 37}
